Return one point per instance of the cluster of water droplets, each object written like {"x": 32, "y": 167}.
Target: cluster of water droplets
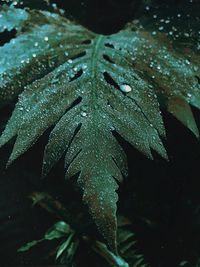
{"x": 179, "y": 25}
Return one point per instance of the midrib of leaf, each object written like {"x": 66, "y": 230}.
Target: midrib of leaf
{"x": 95, "y": 54}
{"x": 93, "y": 70}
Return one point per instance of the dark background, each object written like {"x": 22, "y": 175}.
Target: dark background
{"x": 161, "y": 198}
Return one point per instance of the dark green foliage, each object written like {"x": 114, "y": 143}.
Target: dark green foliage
{"x": 89, "y": 87}
{"x": 65, "y": 251}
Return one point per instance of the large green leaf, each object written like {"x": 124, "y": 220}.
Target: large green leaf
{"x": 90, "y": 86}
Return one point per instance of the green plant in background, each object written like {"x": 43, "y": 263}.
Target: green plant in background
{"x": 91, "y": 88}
{"x": 69, "y": 239}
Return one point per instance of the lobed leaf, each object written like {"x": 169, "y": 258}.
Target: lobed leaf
{"x": 89, "y": 87}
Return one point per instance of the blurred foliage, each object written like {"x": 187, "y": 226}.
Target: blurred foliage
{"x": 65, "y": 251}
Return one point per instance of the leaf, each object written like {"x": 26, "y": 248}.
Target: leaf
{"x": 127, "y": 257}
{"x": 29, "y": 245}
{"x": 71, "y": 238}
{"x": 67, "y": 251}
{"x": 11, "y": 18}
{"x": 178, "y": 33}
{"x": 127, "y": 248}
{"x": 64, "y": 246}
{"x": 91, "y": 86}
{"x": 57, "y": 231}
{"x": 72, "y": 213}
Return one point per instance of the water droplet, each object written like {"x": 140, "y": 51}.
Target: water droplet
{"x": 186, "y": 34}
{"x": 125, "y": 88}
{"x": 84, "y": 67}
{"x": 83, "y": 114}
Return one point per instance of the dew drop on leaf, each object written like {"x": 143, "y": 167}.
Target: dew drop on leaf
{"x": 125, "y": 88}
{"x": 83, "y": 114}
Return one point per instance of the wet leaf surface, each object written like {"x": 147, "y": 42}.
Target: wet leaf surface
{"x": 89, "y": 86}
